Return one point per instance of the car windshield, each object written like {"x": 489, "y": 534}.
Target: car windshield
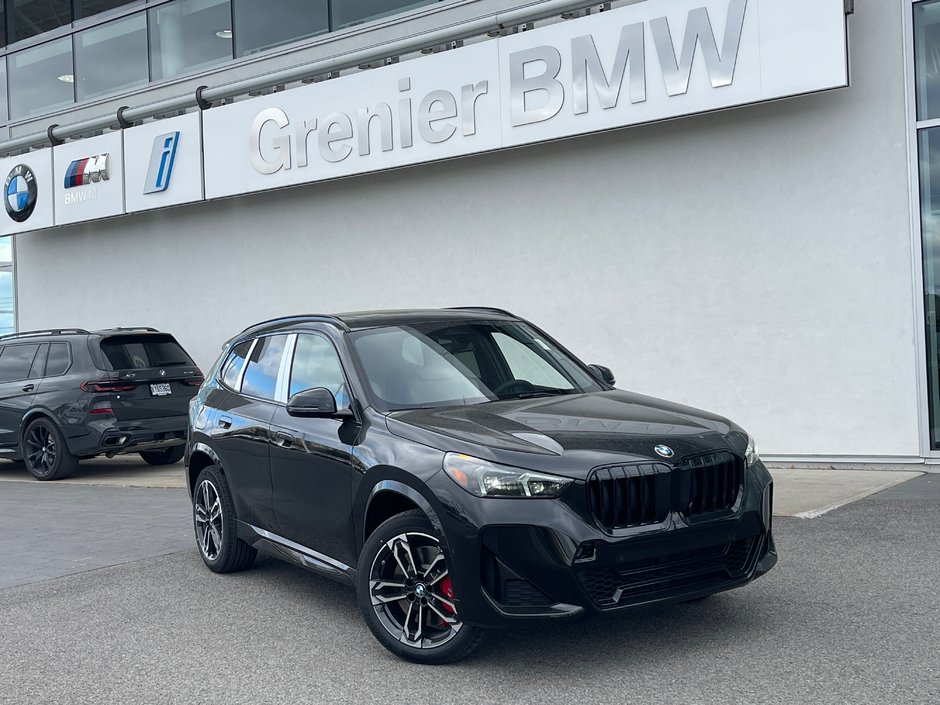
{"x": 447, "y": 364}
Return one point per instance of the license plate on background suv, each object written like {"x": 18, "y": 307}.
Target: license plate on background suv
{"x": 162, "y": 389}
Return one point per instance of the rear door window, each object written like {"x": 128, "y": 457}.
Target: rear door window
{"x": 263, "y": 366}
{"x": 140, "y": 352}
{"x": 35, "y": 370}
{"x": 15, "y": 361}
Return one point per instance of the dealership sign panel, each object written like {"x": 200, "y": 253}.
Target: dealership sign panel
{"x": 163, "y": 163}
{"x": 27, "y": 192}
{"x": 89, "y": 179}
{"x": 650, "y": 61}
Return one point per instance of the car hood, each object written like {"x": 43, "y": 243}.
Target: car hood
{"x": 590, "y": 426}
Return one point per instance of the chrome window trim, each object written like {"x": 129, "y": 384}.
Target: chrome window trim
{"x": 241, "y": 375}
{"x": 283, "y": 373}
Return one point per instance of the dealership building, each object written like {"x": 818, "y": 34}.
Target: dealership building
{"x": 734, "y": 204}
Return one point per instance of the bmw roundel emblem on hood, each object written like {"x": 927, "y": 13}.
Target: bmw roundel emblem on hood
{"x": 664, "y": 451}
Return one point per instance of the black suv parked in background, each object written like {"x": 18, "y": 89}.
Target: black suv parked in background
{"x": 70, "y": 394}
{"x": 461, "y": 470}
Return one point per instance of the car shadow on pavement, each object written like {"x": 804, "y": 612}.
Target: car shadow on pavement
{"x": 645, "y": 634}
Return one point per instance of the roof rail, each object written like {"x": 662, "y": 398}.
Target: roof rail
{"x": 127, "y": 329}
{"x": 311, "y": 317}
{"x": 487, "y": 309}
{"x": 51, "y": 331}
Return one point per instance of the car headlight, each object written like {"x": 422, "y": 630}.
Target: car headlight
{"x": 485, "y": 479}
{"x": 750, "y": 455}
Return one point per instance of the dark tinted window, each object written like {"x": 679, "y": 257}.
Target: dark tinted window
{"x": 126, "y": 352}
{"x": 111, "y": 57}
{"x": 316, "y": 364}
{"x": 349, "y": 12}
{"x": 234, "y": 364}
{"x": 41, "y": 78}
{"x": 59, "y": 359}
{"x": 87, "y": 8}
{"x": 260, "y": 26}
{"x": 263, "y": 365}
{"x": 15, "y": 361}
{"x": 39, "y": 362}
{"x": 31, "y": 17}
{"x": 189, "y": 35}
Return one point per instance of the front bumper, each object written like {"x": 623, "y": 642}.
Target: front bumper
{"x": 109, "y": 436}
{"x": 523, "y": 559}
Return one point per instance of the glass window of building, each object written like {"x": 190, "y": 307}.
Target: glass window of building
{"x": 260, "y": 26}
{"x": 27, "y": 18}
{"x": 7, "y": 317}
{"x": 4, "y": 116}
{"x": 111, "y": 57}
{"x": 41, "y": 78}
{"x": 927, "y": 51}
{"x": 87, "y": 8}
{"x": 350, "y": 12}
{"x": 189, "y": 35}
{"x": 3, "y": 25}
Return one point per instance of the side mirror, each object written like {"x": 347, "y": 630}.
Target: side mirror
{"x": 603, "y": 374}
{"x": 312, "y": 403}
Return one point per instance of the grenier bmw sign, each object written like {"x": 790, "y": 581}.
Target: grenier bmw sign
{"x": 649, "y": 61}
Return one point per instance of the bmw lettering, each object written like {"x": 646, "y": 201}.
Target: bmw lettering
{"x": 20, "y": 190}
{"x": 86, "y": 172}
{"x": 162, "y": 159}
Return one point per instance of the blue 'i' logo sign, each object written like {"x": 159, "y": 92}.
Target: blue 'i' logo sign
{"x": 161, "y": 162}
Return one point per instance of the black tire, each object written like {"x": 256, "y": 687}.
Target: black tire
{"x": 45, "y": 451}
{"x": 167, "y": 456}
{"x": 222, "y": 551}
{"x": 439, "y": 641}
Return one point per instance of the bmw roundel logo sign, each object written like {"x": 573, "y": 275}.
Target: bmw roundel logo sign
{"x": 20, "y": 193}
{"x": 664, "y": 451}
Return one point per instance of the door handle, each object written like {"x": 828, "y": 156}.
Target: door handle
{"x": 29, "y": 387}
{"x": 225, "y": 421}
{"x": 285, "y": 440}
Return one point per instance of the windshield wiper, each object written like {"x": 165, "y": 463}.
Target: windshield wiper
{"x": 541, "y": 393}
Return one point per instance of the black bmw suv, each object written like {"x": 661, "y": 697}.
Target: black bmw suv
{"x": 70, "y": 394}
{"x": 460, "y": 469}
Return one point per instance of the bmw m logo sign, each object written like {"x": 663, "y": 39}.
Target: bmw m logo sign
{"x": 20, "y": 193}
{"x": 664, "y": 451}
{"x": 90, "y": 170}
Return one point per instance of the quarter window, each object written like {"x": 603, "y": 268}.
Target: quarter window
{"x": 316, "y": 364}
{"x": 15, "y": 361}
{"x": 263, "y": 365}
{"x": 233, "y": 366}
{"x": 59, "y": 359}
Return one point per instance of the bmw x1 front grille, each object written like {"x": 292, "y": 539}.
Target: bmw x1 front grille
{"x": 627, "y": 496}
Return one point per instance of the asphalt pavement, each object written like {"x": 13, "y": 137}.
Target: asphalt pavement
{"x": 848, "y": 616}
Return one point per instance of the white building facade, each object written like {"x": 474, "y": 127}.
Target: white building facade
{"x": 756, "y": 243}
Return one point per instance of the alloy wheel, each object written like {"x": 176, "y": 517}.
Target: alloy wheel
{"x": 411, "y": 592}
{"x": 41, "y": 449}
{"x": 208, "y": 509}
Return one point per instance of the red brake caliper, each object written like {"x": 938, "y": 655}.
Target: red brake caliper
{"x": 447, "y": 589}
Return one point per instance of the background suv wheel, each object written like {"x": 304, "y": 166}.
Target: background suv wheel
{"x": 45, "y": 452}
{"x": 214, "y": 521}
{"x": 406, "y": 595}
{"x": 166, "y": 456}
